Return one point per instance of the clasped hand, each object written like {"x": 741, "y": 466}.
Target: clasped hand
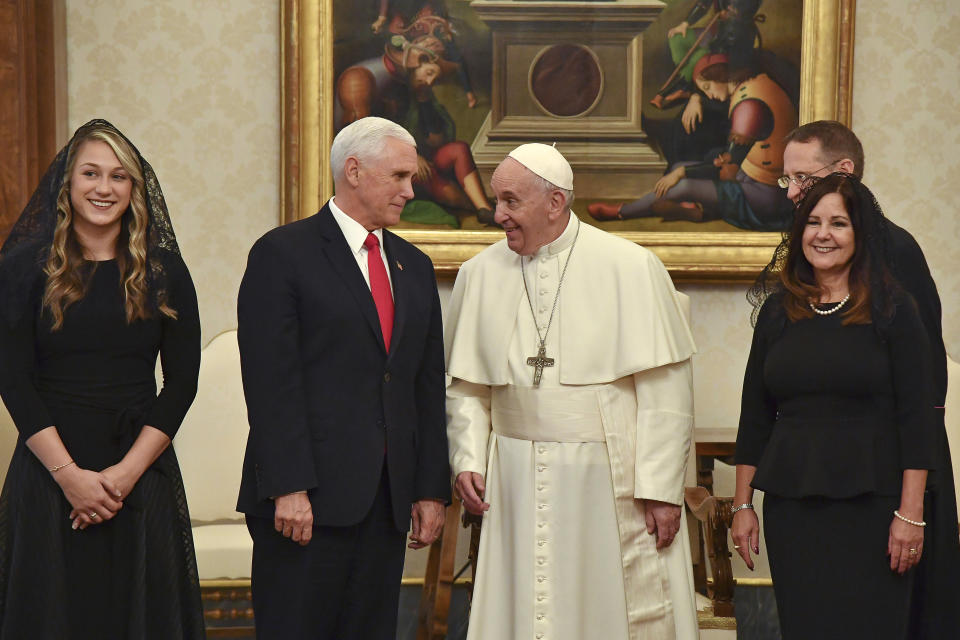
{"x": 95, "y": 496}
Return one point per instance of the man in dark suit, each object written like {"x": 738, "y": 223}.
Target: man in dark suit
{"x": 341, "y": 349}
{"x": 814, "y": 150}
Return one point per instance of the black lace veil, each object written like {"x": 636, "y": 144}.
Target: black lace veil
{"x": 873, "y": 232}
{"x": 29, "y": 241}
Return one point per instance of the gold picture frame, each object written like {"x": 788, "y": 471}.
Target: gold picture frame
{"x": 826, "y": 83}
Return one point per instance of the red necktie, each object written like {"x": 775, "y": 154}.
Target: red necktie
{"x": 380, "y": 287}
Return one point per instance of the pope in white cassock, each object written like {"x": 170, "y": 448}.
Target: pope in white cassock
{"x": 570, "y": 416}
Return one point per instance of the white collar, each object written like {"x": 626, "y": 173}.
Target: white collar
{"x": 564, "y": 240}
{"x": 353, "y": 231}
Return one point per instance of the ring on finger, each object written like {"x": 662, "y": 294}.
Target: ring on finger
{"x": 736, "y": 546}
{"x": 94, "y": 515}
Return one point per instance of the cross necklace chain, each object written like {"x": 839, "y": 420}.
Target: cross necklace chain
{"x": 539, "y": 361}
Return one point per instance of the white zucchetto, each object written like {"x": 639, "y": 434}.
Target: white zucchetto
{"x": 546, "y": 162}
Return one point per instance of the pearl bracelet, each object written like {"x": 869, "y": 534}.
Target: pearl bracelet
{"x": 745, "y": 505}
{"x": 908, "y": 520}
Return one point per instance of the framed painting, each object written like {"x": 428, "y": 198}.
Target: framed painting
{"x": 645, "y": 98}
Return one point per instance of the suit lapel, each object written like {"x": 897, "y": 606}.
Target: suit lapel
{"x": 338, "y": 253}
{"x": 401, "y": 287}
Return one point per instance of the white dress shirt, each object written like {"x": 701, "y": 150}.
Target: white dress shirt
{"x": 355, "y": 235}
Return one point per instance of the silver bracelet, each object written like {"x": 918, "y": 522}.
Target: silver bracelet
{"x": 908, "y": 520}
{"x": 745, "y": 505}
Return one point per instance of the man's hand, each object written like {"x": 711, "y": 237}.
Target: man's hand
{"x": 293, "y": 517}
{"x": 668, "y": 181}
{"x": 663, "y": 519}
{"x": 470, "y": 487}
{"x": 692, "y": 113}
{"x": 427, "y": 516}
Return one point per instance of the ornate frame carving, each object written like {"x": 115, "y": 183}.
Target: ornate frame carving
{"x": 306, "y": 130}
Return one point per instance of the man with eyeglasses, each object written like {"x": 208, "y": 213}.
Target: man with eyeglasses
{"x": 813, "y": 151}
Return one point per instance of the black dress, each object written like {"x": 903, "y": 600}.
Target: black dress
{"x": 831, "y": 416}
{"x": 134, "y": 576}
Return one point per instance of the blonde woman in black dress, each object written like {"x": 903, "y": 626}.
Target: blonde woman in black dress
{"x": 836, "y": 424}
{"x": 95, "y": 537}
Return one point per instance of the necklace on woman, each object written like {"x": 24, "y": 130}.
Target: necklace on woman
{"x": 829, "y": 311}
{"x": 539, "y": 361}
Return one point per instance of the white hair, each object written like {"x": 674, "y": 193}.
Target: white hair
{"x": 546, "y": 186}
{"x": 364, "y": 140}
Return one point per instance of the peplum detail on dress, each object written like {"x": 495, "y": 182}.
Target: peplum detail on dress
{"x": 833, "y": 458}
{"x": 832, "y": 445}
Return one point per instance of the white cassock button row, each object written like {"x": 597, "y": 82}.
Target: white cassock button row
{"x": 542, "y": 612}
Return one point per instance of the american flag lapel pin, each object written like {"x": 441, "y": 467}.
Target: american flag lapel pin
{"x": 399, "y": 266}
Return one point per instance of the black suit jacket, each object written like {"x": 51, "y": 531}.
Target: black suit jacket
{"x": 911, "y": 270}
{"x": 325, "y": 401}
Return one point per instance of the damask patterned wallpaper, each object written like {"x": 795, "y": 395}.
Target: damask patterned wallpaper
{"x": 906, "y": 92}
{"x": 195, "y": 86}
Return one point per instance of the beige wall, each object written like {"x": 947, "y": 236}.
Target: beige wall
{"x": 195, "y": 85}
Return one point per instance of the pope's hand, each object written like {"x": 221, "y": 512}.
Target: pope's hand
{"x": 293, "y": 517}
{"x": 427, "y": 517}
{"x": 470, "y": 488}
{"x": 663, "y": 519}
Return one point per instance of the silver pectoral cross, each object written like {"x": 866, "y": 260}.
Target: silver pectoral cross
{"x": 538, "y": 363}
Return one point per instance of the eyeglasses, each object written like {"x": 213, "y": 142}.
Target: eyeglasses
{"x": 801, "y": 179}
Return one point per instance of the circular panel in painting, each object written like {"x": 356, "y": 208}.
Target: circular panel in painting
{"x": 566, "y": 80}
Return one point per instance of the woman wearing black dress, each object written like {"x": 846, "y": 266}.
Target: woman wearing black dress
{"x": 95, "y": 537}
{"x": 836, "y": 424}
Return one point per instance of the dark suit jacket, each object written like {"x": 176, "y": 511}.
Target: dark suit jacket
{"x": 911, "y": 270}
{"x": 325, "y": 401}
